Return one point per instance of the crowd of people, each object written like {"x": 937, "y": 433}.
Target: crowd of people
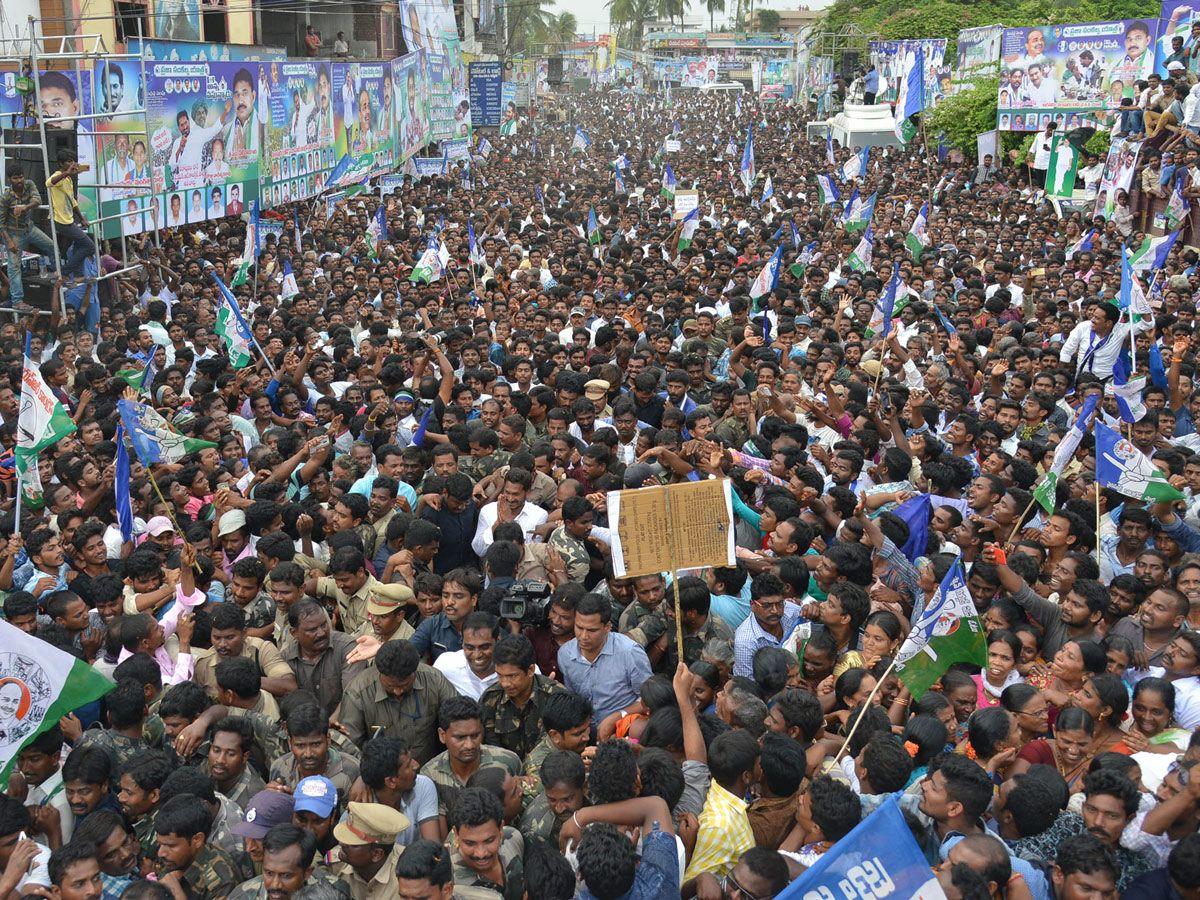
{"x": 368, "y": 641}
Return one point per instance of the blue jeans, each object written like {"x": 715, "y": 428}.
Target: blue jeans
{"x": 33, "y": 239}
{"x": 76, "y": 245}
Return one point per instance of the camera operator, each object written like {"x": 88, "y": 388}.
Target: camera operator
{"x": 557, "y": 630}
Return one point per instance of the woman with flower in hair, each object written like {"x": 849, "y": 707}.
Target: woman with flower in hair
{"x": 993, "y": 740}
{"x": 924, "y": 738}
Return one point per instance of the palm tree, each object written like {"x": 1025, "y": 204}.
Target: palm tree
{"x": 672, "y": 8}
{"x": 554, "y": 32}
{"x": 630, "y": 17}
{"x": 713, "y": 6}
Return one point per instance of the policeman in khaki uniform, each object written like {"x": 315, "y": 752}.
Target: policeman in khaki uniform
{"x": 385, "y": 619}
{"x": 352, "y": 587}
{"x": 368, "y": 851}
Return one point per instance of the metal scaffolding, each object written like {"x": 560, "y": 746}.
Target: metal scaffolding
{"x": 79, "y": 53}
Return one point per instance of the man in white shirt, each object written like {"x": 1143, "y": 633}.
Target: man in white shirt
{"x": 471, "y": 669}
{"x": 187, "y": 150}
{"x": 40, "y": 763}
{"x": 510, "y": 506}
{"x": 1041, "y": 154}
{"x": 1096, "y": 343}
{"x": 21, "y": 859}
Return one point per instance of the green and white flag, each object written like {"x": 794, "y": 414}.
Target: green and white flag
{"x": 1127, "y": 470}
{"x": 860, "y": 259}
{"x": 1062, "y": 168}
{"x": 917, "y": 238}
{"x": 1045, "y": 492}
{"x": 39, "y": 684}
{"x": 43, "y": 421}
{"x": 687, "y": 230}
{"x": 947, "y": 631}
{"x": 428, "y": 268}
{"x": 508, "y": 128}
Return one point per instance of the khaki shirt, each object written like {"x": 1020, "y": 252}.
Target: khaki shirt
{"x": 367, "y": 707}
{"x": 382, "y": 887}
{"x": 440, "y": 772}
{"x": 341, "y": 769}
{"x": 270, "y": 664}
{"x": 353, "y": 607}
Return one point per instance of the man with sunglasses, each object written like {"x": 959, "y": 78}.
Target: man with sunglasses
{"x": 760, "y": 874}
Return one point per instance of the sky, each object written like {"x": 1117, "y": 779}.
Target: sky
{"x": 594, "y": 13}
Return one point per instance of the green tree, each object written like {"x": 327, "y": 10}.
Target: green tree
{"x": 768, "y": 21}
{"x": 966, "y": 113}
{"x": 630, "y": 17}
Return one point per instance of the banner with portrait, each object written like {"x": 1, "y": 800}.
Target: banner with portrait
{"x": 1071, "y": 74}
{"x": 364, "y": 115}
{"x": 699, "y": 72}
{"x": 64, "y": 95}
{"x": 1175, "y": 21}
{"x": 888, "y": 58}
{"x": 122, "y": 147}
{"x": 177, "y": 20}
{"x": 411, "y": 89}
{"x": 205, "y": 138}
{"x": 298, "y": 118}
{"x": 1117, "y": 178}
{"x": 978, "y": 52}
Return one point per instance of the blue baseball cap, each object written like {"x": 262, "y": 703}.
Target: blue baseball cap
{"x": 315, "y": 794}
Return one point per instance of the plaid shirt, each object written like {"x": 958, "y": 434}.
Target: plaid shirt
{"x": 724, "y": 835}
{"x": 9, "y": 220}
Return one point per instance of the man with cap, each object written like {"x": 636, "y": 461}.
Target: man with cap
{"x": 315, "y": 804}
{"x": 234, "y": 539}
{"x": 160, "y": 534}
{"x": 368, "y": 850}
{"x": 267, "y": 809}
{"x": 352, "y": 586}
{"x": 577, "y": 318}
{"x": 597, "y": 390}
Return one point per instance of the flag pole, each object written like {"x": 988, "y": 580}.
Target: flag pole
{"x": 1017, "y": 524}
{"x": 20, "y": 480}
{"x": 865, "y": 706}
{"x": 1097, "y": 486}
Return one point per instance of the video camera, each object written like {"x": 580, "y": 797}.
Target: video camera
{"x": 527, "y": 602}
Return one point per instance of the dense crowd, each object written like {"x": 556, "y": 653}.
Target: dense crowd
{"x": 369, "y": 642}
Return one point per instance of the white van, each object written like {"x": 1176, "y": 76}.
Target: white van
{"x": 734, "y": 87}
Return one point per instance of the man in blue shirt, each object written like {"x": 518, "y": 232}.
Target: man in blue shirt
{"x": 870, "y": 84}
{"x": 606, "y": 668}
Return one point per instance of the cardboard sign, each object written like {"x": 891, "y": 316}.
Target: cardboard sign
{"x": 672, "y": 527}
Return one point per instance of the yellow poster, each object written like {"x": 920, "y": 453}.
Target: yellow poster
{"x": 672, "y": 527}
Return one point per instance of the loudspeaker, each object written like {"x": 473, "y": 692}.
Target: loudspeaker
{"x": 554, "y": 71}
{"x": 849, "y": 64}
{"x": 29, "y": 157}
{"x": 39, "y": 292}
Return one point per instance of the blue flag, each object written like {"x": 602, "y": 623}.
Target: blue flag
{"x": 149, "y": 372}
{"x": 121, "y": 488}
{"x": 910, "y": 99}
{"x": 915, "y": 513}
{"x": 950, "y": 329}
{"x": 879, "y": 858}
{"x": 1158, "y": 374}
{"x": 153, "y": 439}
{"x": 419, "y": 434}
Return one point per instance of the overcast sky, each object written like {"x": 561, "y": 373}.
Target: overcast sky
{"x": 594, "y": 13}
